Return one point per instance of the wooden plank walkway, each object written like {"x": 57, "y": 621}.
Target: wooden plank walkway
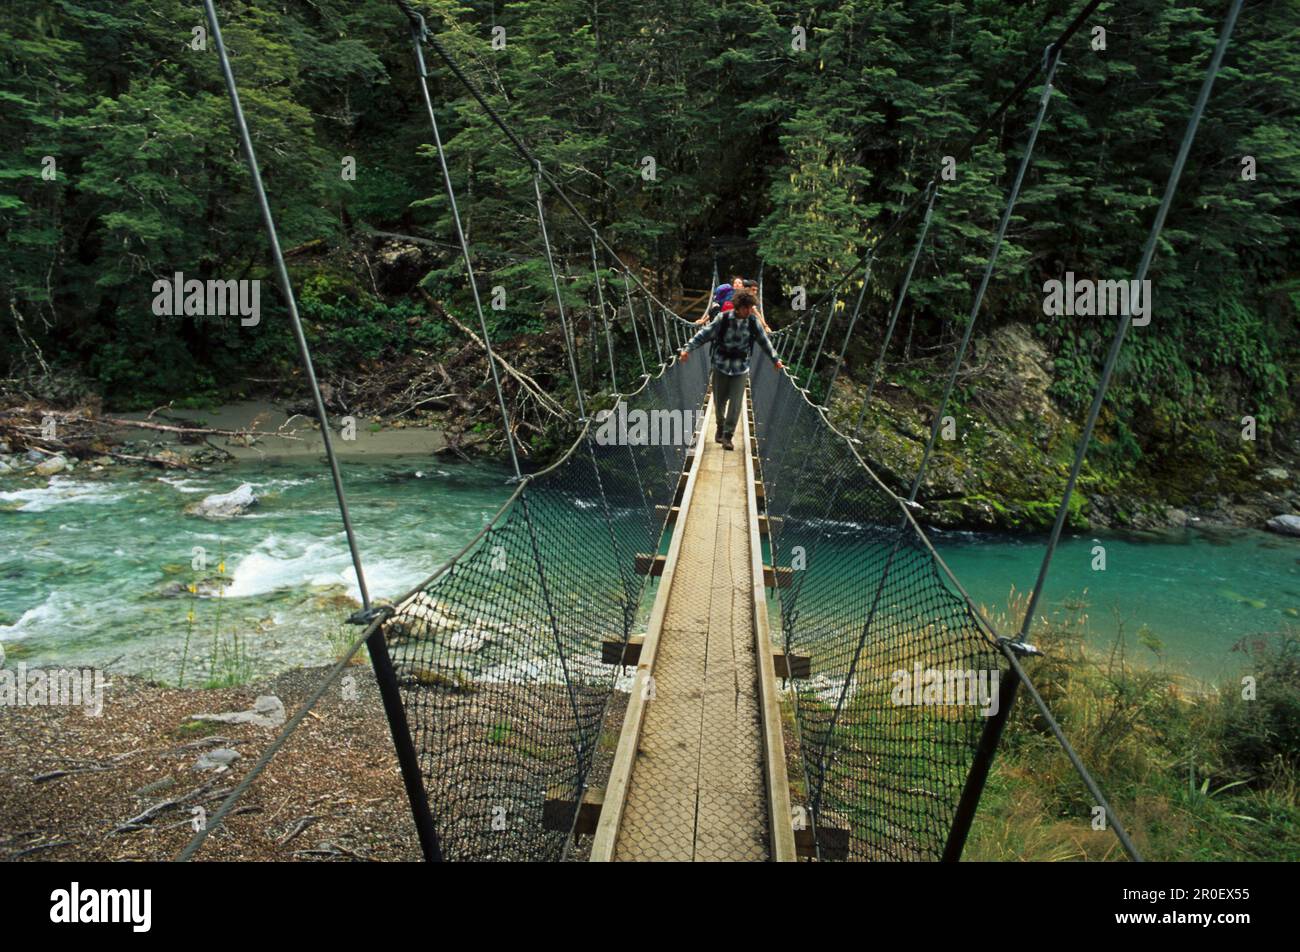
{"x": 690, "y": 778}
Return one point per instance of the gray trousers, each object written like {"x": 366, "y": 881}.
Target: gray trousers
{"x": 728, "y": 395}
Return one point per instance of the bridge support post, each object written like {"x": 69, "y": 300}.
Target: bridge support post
{"x": 979, "y": 768}
{"x": 404, "y": 746}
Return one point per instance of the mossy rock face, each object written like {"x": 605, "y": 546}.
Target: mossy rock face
{"x": 989, "y": 512}
{"x": 1007, "y": 467}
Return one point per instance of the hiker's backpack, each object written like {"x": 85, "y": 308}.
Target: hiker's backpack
{"x": 741, "y": 351}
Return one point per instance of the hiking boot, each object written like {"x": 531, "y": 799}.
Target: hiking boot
{"x": 717, "y": 436}
{"x": 727, "y": 444}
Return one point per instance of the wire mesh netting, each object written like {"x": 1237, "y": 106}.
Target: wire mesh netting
{"x": 901, "y": 678}
{"x": 499, "y": 657}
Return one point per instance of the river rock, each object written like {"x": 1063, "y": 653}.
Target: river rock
{"x": 206, "y": 586}
{"x": 5, "y": 468}
{"x": 225, "y": 505}
{"x": 419, "y": 617}
{"x": 267, "y": 711}
{"x": 34, "y": 457}
{"x": 1286, "y": 525}
{"x": 469, "y": 639}
{"x": 51, "y": 466}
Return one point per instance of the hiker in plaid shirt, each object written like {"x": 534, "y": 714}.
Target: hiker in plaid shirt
{"x": 733, "y": 334}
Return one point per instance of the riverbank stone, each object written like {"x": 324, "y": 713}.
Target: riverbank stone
{"x": 220, "y": 758}
{"x": 1285, "y": 524}
{"x": 267, "y": 711}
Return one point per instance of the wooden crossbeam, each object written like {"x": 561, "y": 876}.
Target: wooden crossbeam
{"x": 832, "y": 837}
{"x": 790, "y": 666}
{"x": 780, "y": 577}
{"x": 672, "y": 512}
{"x": 681, "y": 488}
{"x": 557, "y": 809}
{"x": 616, "y": 651}
{"x": 647, "y": 564}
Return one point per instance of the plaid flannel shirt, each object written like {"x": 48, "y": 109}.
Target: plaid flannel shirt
{"x": 730, "y": 333}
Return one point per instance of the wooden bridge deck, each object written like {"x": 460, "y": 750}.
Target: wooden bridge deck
{"x": 699, "y": 773}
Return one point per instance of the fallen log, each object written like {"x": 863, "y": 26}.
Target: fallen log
{"x": 530, "y": 385}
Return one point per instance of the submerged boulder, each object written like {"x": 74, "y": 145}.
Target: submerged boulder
{"x": 225, "y": 505}
{"x": 51, "y": 466}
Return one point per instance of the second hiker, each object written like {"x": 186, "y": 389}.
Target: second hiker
{"x": 733, "y": 333}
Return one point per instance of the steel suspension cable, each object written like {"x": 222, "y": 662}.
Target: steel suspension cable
{"x": 1117, "y": 342}
{"x": 604, "y": 317}
{"x": 993, "y": 729}
{"x": 1052, "y": 58}
{"x": 631, "y": 316}
{"x": 848, "y": 333}
{"x": 286, "y": 289}
{"x": 404, "y": 748}
{"x": 422, "y": 74}
{"x": 569, "y": 343}
{"x": 807, "y": 337}
{"x": 826, "y": 429}
{"x": 650, "y": 317}
{"x": 830, "y": 319}
{"x": 899, "y": 297}
{"x": 418, "y": 22}
{"x": 223, "y": 810}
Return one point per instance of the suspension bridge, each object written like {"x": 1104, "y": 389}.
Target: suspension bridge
{"x": 663, "y": 650}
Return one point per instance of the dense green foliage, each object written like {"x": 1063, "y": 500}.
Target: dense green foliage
{"x": 807, "y": 153}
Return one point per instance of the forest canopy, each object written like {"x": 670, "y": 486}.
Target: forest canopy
{"x": 792, "y": 133}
